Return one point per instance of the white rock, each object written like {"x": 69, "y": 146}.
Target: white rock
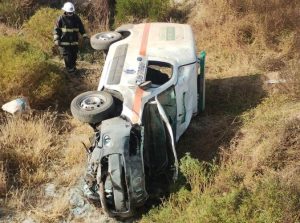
{"x": 17, "y": 106}
{"x": 50, "y": 190}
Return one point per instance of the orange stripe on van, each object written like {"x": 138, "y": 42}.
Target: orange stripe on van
{"x": 137, "y": 104}
{"x": 143, "y": 49}
{"x": 139, "y": 92}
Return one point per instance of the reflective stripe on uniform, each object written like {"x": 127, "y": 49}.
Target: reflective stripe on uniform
{"x": 68, "y": 44}
{"x": 66, "y": 30}
{"x": 56, "y": 37}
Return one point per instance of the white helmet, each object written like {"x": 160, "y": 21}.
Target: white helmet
{"x": 68, "y": 7}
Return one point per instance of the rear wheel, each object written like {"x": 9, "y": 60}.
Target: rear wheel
{"x": 102, "y": 41}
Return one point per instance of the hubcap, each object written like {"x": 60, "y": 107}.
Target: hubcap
{"x": 91, "y": 103}
{"x": 106, "y": 36}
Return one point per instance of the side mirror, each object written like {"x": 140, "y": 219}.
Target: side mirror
{"x": 145, "y": 85}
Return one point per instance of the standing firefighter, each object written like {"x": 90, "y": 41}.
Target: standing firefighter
{"x": 66, "y": 35}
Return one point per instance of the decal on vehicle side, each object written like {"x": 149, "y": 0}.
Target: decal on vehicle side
{"x": 129, "y": 71}
{"x": 167, "y": 33}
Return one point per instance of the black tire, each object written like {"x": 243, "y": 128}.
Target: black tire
{"x": 102, "y": 41}
{"x": 124, "y": 30}
{"x": 92, "y": 106}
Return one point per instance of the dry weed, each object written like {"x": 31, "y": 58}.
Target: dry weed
{"x": 3, "y": 186}
{"x": 239, "y": 35}
{"x": 55, "y": 210}
{"x": 269, "y": 140}
{"x": 29, "y": 146}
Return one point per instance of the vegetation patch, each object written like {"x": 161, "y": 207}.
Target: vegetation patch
{"x": 15, "y": 12}
{"x": 137, "y": 10}
{"x": 27, "y": 153}
{"x": 39, "y": 29}
{"x": 27, "y": 71}
{"x": 252, "y": 180}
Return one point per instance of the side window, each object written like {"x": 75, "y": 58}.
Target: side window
{"x": 159, "y": 72}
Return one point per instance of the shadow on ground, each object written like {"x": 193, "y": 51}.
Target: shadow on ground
{"x": 226, "y": 100}
{"x": 208, "y": 133}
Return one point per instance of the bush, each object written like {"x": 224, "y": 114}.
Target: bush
{"x": 26, "y": 70}
{"x": 137, "y": 10}
{"x": 100, "y": 13}
{"x": 39, "y": 29}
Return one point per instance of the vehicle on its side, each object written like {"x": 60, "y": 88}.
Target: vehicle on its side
{"x": 151, "y": 85}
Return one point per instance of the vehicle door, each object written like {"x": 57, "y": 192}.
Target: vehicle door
{"x": 157, "y": 141}
{"x": 186, "y": 96}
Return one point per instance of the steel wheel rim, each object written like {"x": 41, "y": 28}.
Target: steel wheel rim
{"x": 107, "y": 36}
{"x": 91, "y": 103}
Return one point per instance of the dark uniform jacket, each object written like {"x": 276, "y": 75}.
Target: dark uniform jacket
{"x": 67, "y": 28}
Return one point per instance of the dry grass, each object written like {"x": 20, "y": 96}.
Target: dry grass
{"x": 74, "y": 154}
{"x": 241, "y": 35}
{"x": 7, "y": 31}
{"x": 269, "y": 140}
{"x": 28, "y": 147}
{"x": 56, "y": 209}
{"x": 99, "y": 14}
{"x": 36, "y": 150}
{"x": 255, "y": 174}
{"x": 3, "y": 186}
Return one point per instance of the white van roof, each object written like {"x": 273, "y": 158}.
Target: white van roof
{"x": 164, "y": 40}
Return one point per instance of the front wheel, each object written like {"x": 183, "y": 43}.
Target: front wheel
{"x": 92, "y": 106}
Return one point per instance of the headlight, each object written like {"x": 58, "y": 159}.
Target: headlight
{"x": 106, "y": 140}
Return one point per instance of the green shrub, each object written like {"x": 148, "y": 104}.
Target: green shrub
{"x": 39, "y": 29}
{"x": 137, "y": 10}
{"x": 26, "y": 70}
{"x": 263, "y": 203}
{"x": 198, "y": 174}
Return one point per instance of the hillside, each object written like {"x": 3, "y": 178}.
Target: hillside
{"x": 243, "y": 151}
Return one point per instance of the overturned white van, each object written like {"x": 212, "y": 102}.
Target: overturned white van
{"x": 151, "y": 86}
